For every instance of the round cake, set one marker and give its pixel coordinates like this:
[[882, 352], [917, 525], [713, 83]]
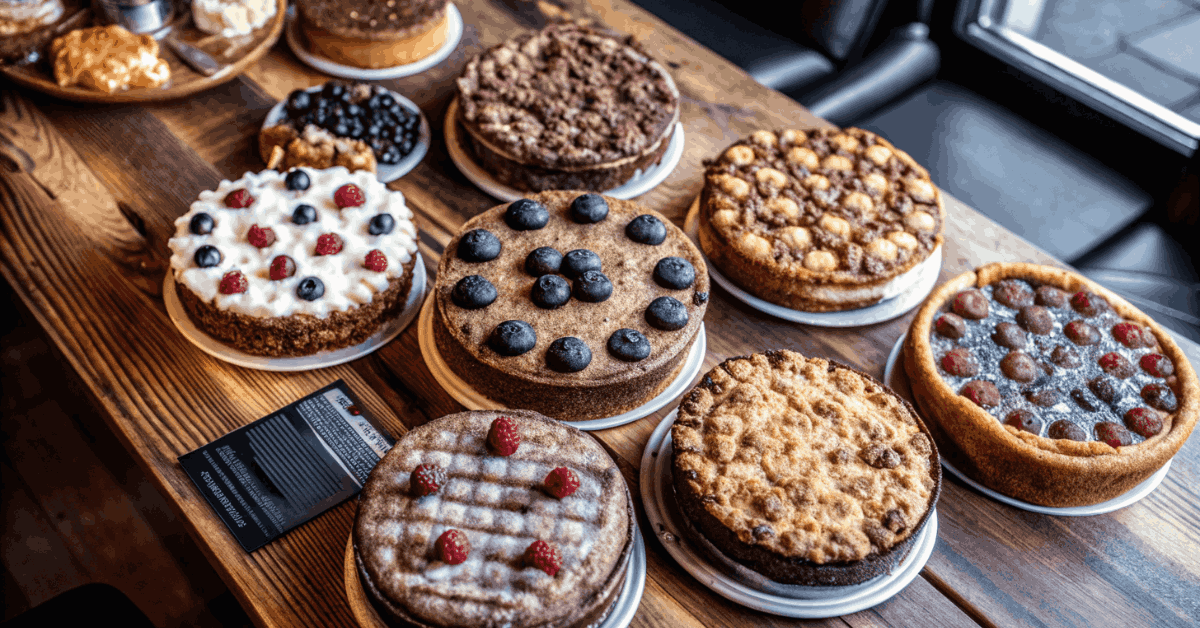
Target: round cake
[[374, 33], [566, 108], [803, 470], [279, 265], [1045, 386], [489, 519], [820, 220], [575, 305]]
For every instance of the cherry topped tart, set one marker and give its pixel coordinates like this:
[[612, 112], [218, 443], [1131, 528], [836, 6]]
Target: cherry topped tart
[[1046, 386]]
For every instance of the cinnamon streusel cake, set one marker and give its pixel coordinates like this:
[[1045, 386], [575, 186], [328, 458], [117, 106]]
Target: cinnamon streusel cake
[[820, 220]]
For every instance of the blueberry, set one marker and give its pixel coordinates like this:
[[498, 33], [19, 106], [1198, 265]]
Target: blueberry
[[207, 256], [304, 214], [373, 102], [592, 287], [478, 245], [646, 229], [334, 90], [386, 101], [341, 129], [391, 156], [473, 292], [543, 260], [381, 224], [399, 111], [357, 130], [354, 110], [589, 208], [579, 261], [297, 180], [374, 130], [526, 215], [201, 224], [298, 101], [568, 355], [310, 289], [629, 345], [377, 145], [406, 147], [512, 338], [550, 292], [675, 273], [666, 314]]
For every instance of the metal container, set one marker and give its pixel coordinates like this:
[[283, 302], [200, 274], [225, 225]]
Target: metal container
[[138, 16]]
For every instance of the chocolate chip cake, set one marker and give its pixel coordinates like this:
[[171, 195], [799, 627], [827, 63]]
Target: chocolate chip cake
[[494, 519], [1046, 387], [566, 108], [576, 305], [803, 470], [820, 220], [373, 33], [289, 265]]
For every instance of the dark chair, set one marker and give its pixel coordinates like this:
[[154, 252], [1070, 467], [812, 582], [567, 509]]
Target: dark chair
[[83, 606]]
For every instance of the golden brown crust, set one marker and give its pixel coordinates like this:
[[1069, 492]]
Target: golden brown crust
[[379, 50], [1036, 469]]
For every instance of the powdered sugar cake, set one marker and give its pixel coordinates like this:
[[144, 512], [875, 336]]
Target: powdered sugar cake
[[499, 503]]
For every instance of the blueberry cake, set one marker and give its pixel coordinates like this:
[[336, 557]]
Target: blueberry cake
[[803, 470], [289, 265], [575, 305], [494, 519], [1046, 387], [566, 108], [821, 220], [373, 34]]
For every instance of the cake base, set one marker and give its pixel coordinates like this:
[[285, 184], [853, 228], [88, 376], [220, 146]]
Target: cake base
[[372, 54]]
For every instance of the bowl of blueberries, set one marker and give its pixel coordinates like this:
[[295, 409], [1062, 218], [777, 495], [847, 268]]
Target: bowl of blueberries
[[390, 124]]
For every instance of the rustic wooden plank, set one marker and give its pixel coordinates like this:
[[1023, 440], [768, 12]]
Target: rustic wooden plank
[[31, 550]]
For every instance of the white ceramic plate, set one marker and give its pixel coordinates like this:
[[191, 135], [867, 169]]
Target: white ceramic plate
[[1116, 503], [641, 182], [295, 39], [473, 400], [764, 595], [925, 277], [383, 172], [222, 351]]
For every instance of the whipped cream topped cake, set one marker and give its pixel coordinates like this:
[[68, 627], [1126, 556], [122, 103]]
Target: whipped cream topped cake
[[803, 470], [1047, 387], [494, 519], [287, 265], [820, 220]]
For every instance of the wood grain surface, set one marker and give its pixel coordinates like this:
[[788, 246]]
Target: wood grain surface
[[88, 196]]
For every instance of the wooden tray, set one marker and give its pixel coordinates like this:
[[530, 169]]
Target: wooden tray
[[238, 53]]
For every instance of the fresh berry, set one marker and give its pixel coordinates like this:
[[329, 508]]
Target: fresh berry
[[666, 314], [950, 325], [1088, 304], [1046, 397], [981, 392], [473, 292], [1116, 365], [297, 180], [503, 437], [589, 208], [1160, 397], [1017, 365], [282, 267], [629, 345], [1025, 421], [591, 287], [970, 304], [1132, 335], [1113, 434], [310, 289], [426, 479], [561, 482], [329, 244], [512, 338], [579, 261], [207, 256], [349, 195], [1066, 430], [542, 555], [478, 245], [453, 547], [1014, 293], [568, 355], [304, 214], [646, 229], [1144, 421], [543, 260], [1081, 399], [1105, 388], [1157, 365], [1049, 296], [526, 215], [1036, 319], [234, 282], [376, 261], [1081, 333], [960, 363], [201, 224], [1009, 335], [260, 236], [1066, 357], [381, 224], [550, 292], [239, 199], [674, 273]]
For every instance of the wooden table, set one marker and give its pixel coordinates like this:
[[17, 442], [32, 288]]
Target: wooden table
[[88, 195]]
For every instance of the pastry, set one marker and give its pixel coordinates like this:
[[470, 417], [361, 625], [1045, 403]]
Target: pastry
[[803, 470], [1044, 386], [566, 108], [107, 59], [28, 26], [277, 265], [232, 18], [372, 33], [494, 519], [578, 306], [821, 220]]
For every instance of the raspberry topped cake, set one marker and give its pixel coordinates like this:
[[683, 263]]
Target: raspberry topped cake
[[805, 471], [1047, 387], [494, 519], [278, 264], [576, 305], [566, 108], [820, 220]]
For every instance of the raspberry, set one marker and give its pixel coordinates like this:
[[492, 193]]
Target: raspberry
[[1131, 335], [426, 479], [1081, 333], [376, 261], [1116, 365], [1157, 365], [960, 363], [981, 392], [561, 482], [234, 282], [970, 304], [239, 199], [950, 325], [1144, 421], [1088, 304], [503, 436], [260, 237], [453, 547], [1113, 434], [282, 267], [542, 555], [329, 244], [349, 195]]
